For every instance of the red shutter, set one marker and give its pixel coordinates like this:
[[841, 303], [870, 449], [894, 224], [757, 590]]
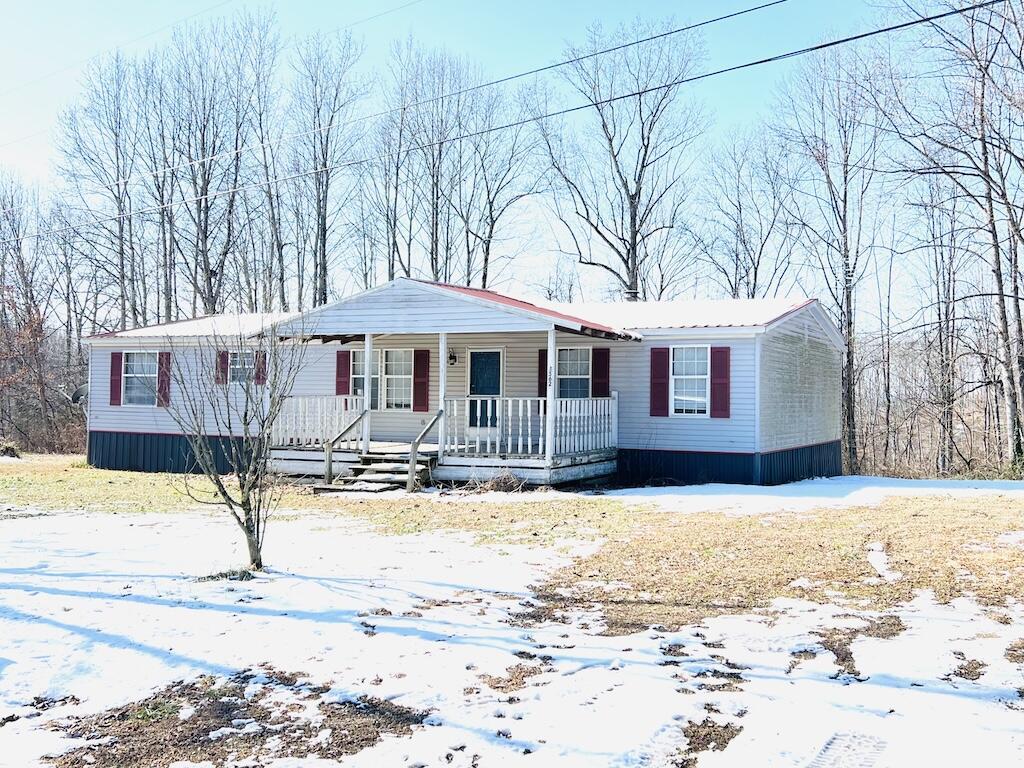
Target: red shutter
[[542, 373], [259, 375], [116, 363], [163, 379], [720, 379], [659, 381], [222, 367], [600, 382], [421, 380], [343, 372]]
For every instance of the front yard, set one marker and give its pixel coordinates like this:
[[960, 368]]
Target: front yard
[[859, 619]]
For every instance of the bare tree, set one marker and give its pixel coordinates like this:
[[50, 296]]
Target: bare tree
[[226, 396], [832, 129], [619, 176]]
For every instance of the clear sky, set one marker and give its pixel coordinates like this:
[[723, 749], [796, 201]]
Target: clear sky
[[47, 43]]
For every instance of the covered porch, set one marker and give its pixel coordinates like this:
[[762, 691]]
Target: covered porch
[[450, 400]]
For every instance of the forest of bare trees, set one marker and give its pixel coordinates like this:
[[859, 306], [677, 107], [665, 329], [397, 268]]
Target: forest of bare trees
[[233, 170]]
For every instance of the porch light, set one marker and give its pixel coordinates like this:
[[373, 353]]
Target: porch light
[[452, 359]]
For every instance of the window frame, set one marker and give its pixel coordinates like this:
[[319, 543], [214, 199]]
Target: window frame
[[589, 377], [382, 392], [252, 369], [672, 377], [367, 391], [124, 377]]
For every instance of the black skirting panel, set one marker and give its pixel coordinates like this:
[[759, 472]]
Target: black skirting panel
[[149, 452], [822, 460], [643, 467]]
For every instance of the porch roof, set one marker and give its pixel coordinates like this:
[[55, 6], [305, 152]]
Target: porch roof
[[408, 306]]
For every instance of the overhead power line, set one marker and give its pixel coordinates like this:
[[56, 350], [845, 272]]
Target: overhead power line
[[525, 121], [447, 95]]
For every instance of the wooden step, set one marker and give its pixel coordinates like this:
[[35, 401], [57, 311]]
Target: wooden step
[[355, 485], [376, 477], [387, 466]]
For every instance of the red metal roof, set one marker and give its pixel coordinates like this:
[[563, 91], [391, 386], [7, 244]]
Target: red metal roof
[[508, 301]]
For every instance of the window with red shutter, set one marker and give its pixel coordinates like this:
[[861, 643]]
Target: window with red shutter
[[720, 382], [600, 372], [163, 379], [659, 381], [116, 368], [421, 380], [343, 372]]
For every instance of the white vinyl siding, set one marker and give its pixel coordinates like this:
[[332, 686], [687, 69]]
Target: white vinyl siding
[[801, 375]]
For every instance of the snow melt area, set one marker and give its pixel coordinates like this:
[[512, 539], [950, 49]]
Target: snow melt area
[[100, 610]]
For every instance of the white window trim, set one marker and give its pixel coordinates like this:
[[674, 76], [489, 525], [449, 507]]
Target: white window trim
[[501, 373], [382, 392], [589, 377], [252, 374], [124, 377], [672, 383], [367, 390]]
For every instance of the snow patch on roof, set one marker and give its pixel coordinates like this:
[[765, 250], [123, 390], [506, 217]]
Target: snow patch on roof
[[685, 313], [228, 325]]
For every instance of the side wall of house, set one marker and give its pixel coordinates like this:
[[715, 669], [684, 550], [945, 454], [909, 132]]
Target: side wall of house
[[800, 390]]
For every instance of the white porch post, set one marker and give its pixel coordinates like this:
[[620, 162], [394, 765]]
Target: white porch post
[[549, 431], [367, 388], [442, 390]]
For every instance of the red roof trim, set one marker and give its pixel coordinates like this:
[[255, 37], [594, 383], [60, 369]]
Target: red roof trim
[[508, 301]]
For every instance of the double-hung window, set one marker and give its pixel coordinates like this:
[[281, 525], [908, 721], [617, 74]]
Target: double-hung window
[[241, 366], [398, 379], [396, 392], [359, 377], [691, 380], [140, 378], [574, 372]]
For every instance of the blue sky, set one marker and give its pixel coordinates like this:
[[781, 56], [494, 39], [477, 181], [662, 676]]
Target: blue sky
[[47, 44]]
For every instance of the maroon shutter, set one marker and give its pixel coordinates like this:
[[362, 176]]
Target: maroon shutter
[[222, 367], [343, 372], [116, 363], [259, 375], [659, 381], [720, 382], [600, 383], [163, 379], [421, 380], [542, 373]]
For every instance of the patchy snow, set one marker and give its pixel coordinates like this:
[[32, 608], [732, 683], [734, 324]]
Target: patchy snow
[[803, 496], [878, 558], [106, 608]]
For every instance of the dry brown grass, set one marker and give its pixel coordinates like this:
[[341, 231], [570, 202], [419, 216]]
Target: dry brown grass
[[682, 568]]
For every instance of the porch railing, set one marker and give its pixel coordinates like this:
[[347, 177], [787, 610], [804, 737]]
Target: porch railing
[[309, 421], [517, 426]]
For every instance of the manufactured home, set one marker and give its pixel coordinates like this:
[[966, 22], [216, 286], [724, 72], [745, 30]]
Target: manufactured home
[[482, 383]]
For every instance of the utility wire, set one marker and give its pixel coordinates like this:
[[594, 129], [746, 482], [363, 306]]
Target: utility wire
[[450, 94], [526, 121]]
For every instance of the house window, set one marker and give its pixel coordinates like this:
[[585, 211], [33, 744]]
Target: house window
[[139, 379], [398, 379], [241, 366], [691, 380], [359, 377], [574, 372]]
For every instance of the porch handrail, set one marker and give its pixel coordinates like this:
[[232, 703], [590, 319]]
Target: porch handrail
[[329, 446], [410, 481]]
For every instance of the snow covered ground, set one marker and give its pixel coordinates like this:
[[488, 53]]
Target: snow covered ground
[[819, 493], [107, 609]]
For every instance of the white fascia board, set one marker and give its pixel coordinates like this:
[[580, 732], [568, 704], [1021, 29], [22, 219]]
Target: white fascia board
[[746, 332]]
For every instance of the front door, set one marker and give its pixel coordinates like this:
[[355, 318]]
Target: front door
[[484, 381]]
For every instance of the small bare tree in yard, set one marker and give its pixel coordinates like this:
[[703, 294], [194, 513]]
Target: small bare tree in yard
[[226, 395]]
